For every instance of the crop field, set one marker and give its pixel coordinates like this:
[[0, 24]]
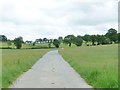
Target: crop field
[[15, 62], [98, 65]]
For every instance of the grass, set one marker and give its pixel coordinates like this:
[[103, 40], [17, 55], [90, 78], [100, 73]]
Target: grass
[[15, 62], [25, 46], [98, 65], [0, 68], [4, 45]]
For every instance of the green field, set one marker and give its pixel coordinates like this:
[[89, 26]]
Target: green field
[[15, 62], [0, 68], [98, 65], [25, 46]]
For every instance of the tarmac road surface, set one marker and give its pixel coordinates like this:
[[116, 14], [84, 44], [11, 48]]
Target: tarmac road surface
[[51, 71]]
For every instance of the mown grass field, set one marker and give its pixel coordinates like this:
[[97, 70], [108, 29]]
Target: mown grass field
[[15, 62], [98, 65]]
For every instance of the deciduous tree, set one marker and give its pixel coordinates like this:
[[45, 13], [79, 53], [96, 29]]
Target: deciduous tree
[[18, 42], [56, 43], [112, 35], [78, 41], [69, 39]]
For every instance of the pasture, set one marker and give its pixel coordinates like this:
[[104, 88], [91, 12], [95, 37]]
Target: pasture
[[25, 46], [15, 62], [98, 65], [4, 45]]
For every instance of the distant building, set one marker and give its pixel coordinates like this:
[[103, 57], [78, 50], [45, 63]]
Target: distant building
[[28, 42]]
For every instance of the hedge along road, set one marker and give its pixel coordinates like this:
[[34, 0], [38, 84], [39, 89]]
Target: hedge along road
[[51, 71]]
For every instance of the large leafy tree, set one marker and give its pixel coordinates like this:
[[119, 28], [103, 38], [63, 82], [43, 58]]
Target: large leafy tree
[[112, 35], [98, 39], [104, 40], [3, 38], [86, 38], [93, 39], [56, 43], [18, 42], [78, 41], [45, 40], [69, 39], [40, 40]]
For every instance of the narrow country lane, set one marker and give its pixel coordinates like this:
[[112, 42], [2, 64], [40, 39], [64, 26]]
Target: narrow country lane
[[51, 71]]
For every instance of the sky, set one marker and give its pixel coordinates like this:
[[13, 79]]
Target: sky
[[33, 19]]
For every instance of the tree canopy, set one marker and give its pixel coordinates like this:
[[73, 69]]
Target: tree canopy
[[78, 40], [56, 43], [69, 39], [112, 35], [18, 42], [3, 38]]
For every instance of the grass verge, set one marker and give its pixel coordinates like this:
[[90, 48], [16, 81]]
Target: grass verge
[[98, 65], [0, 69], [15, 62]]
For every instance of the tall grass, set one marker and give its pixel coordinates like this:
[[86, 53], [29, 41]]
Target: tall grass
[[0, 68], [15, 62], [98, 65]]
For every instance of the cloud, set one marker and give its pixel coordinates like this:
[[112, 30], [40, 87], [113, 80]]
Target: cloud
[[33, 19]]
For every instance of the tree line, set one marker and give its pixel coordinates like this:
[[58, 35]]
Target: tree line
[[110, 37]]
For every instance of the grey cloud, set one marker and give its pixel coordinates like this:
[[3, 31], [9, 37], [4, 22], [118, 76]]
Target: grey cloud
[[58, 19], [95, 13]]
